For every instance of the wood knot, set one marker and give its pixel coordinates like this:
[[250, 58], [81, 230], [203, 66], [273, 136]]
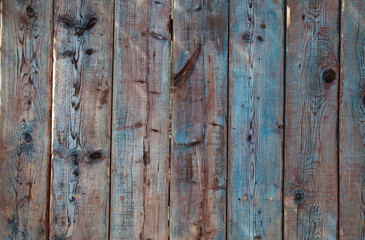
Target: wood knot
[[249, 138], [68, 53], [10, 219], [329, 75], [72, 199], [75, 158], [145, 157], [260, 38], [95, 155], [158, 36], [138, 125], [185, 73], [92, 22], [79, 29], [89, 51], [76, 173], [30, 12], [86, 27], [247, 37], [299, 196], [27, 138]]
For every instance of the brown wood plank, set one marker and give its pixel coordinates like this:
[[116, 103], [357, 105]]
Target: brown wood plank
[[25, 118], [140, 147], [199, 120], [352, 120], [311, 187], [83, 52], [256, 88]]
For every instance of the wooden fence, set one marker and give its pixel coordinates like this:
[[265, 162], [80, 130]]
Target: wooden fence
[[192, 119]]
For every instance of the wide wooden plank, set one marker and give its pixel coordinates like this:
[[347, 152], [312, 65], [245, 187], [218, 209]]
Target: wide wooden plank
[[83, 47], [140, 148], [25, 118], [311, 145], [352, 121], [199, 112], [256, 100]]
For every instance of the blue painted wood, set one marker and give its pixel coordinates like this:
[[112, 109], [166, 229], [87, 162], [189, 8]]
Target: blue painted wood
[[25, 117], [311, 145], [82, 83], [352, 121], [199, 113], [255, 138]]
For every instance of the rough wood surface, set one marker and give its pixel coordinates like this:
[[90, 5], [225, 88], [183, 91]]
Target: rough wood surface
[[140, 150], [311, 187], [256, 105], [81, 119], [99, 140], [352, 121], [199, 112], [25, 119]]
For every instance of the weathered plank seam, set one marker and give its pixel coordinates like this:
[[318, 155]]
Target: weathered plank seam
[[48, 213], [338, 119], [111, 121], [285, 30], [227, 117], [171, 31]]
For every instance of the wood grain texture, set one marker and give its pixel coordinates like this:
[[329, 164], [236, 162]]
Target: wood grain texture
[[311, 187], [256, 105], [81, 119], [352, 121], [199, 112], [25, 118], [140, 149]]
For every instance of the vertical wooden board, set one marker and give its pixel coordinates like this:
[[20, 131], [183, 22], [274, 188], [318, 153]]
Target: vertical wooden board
[[81, 119], [256, 100], [311, 187], [140, 145], [25, 118], [352, 118], [199, 111]]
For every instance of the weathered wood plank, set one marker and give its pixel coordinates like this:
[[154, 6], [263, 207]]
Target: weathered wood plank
[[311, 187], [140, 147], [83, 47], [25, 118], [256, 105], [352, 121], [199, 111]]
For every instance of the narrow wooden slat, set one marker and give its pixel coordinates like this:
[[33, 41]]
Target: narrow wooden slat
[[199, 129], [81, 119], [140, 147], [25, 118], [352, 121], [311, 187], [255, 119]]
